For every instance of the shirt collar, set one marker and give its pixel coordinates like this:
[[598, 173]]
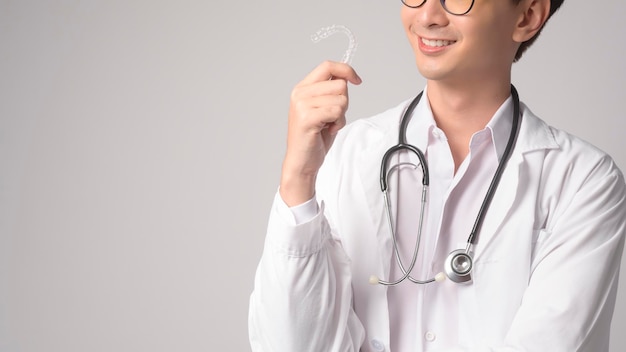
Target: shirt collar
[[423, 123], [500, 126]]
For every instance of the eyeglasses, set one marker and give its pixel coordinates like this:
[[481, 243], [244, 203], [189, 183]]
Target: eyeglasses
[[454, 7]]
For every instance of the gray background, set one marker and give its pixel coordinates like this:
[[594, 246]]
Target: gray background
[[141, 142]]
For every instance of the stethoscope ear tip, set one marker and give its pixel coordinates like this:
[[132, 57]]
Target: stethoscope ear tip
[[441, 277], [373, 280]]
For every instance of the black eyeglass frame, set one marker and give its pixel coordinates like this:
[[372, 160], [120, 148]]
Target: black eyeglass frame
[[443, 4]]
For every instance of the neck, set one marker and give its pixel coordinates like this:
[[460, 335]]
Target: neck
[[467, 108]]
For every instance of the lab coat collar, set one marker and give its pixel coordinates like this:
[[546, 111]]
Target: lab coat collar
[[534, 133], [534, 137]]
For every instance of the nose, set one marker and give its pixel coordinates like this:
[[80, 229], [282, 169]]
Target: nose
[[431, 14]]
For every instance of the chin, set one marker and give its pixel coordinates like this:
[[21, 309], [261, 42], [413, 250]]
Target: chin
[[432, 72]]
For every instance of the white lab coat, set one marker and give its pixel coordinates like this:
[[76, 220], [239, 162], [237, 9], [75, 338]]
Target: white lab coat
[[546, 262]]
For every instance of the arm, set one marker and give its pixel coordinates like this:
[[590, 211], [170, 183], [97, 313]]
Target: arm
[[570, 299], [569, 292], [302, 299], [316, 113]]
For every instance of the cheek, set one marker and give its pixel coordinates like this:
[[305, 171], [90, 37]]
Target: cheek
[[412, 38], [404, 13], [490, 41], [500, 32], [406, 21]]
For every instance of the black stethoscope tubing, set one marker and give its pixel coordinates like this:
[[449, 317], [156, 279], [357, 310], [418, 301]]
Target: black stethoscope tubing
[[459, 256]]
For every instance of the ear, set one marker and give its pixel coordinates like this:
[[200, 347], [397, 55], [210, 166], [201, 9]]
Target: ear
[[533, 15]]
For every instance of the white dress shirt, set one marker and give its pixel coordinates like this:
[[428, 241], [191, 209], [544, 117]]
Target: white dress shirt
[[423, 316]]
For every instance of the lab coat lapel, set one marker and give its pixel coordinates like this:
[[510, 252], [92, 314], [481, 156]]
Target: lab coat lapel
[[534, 135], [369, 172], [501, 204]]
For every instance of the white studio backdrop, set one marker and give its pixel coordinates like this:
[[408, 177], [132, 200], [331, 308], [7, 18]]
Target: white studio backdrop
[[141, 143]]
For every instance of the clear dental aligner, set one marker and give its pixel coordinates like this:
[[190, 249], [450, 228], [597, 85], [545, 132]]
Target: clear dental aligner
[[325, 32]]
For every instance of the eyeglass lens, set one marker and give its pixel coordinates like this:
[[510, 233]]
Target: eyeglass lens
[[455, 7]]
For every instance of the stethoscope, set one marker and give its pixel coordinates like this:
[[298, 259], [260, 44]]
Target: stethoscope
[[459, 263]]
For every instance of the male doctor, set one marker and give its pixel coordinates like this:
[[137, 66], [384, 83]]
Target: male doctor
[[546, 261]]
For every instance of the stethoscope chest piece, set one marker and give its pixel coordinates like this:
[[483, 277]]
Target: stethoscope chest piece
[[458, 266]]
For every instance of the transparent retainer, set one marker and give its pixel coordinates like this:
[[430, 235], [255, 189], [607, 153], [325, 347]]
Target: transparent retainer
[[326, 32]]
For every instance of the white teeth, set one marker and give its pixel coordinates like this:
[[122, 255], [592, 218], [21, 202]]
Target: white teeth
[[437, 43]]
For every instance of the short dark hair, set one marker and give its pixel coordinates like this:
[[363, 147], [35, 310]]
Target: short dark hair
[[554, 5]]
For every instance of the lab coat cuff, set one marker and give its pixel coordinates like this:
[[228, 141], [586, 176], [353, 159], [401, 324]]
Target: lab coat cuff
[[287, 236]]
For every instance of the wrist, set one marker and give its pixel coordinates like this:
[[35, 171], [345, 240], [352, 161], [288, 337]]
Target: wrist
[[296, 189]]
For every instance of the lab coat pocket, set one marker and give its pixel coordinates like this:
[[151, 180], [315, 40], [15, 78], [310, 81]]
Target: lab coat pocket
[[498, 291], [482, 255], [478, 300]]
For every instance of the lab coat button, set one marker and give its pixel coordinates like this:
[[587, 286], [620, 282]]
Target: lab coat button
[[377, 345], [430, 336]]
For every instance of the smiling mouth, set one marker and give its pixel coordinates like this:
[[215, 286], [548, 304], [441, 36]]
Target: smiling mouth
[[437, 43]]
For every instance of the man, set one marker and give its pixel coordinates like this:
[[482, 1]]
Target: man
[[546, 258]]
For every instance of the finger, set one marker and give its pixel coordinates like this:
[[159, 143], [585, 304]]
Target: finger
[[318, 89], [334, 127], [321, 110], [332, 69], [333, 102]]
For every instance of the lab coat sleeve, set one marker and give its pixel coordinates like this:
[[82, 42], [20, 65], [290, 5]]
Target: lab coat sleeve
[[569, 301], [302, 299], [570, 298]]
